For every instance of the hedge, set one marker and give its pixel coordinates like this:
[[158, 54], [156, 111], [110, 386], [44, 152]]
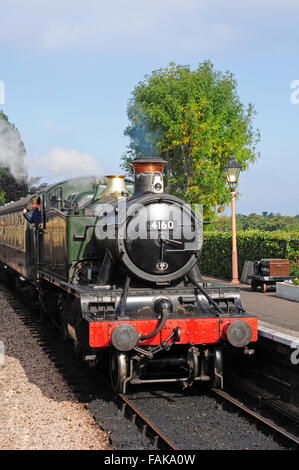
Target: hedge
[[216, 255]]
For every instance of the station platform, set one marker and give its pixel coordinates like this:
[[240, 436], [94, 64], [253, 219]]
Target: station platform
[[275, 362], [274, 313]]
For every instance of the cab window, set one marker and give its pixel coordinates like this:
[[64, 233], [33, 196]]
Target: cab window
[[55, 198]]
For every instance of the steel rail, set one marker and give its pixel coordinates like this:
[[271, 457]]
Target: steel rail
[[166, 442], [252, 413], [264, 398]]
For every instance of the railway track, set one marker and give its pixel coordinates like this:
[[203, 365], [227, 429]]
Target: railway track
[[129, 425], [160, 440], [164, 443], [285, 435], [201, 407]]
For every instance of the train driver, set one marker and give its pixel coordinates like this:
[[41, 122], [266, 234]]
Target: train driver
[[36, 217]]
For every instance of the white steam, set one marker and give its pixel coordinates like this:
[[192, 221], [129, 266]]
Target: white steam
[[64, 163], [58, 164], [12, 150]]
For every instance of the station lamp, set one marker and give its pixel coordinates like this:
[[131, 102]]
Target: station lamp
[[232, 170]]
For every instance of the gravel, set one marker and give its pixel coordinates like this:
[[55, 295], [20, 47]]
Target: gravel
[[37, 408], [195, 420]]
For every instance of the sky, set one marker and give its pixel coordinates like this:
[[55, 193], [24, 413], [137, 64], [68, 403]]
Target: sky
[[68, 68]]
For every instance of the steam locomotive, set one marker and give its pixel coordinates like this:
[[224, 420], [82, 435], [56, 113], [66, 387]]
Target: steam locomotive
[[115, 266]]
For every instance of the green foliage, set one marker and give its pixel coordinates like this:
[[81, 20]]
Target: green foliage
[[268, 222], [10, 188], [193, 119], [2, 198], [3, 116], [216, 256]]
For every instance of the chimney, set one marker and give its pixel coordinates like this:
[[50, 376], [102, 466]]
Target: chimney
[[148, 175]]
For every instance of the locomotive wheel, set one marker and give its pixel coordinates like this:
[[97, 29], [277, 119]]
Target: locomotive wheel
[[119, 365]]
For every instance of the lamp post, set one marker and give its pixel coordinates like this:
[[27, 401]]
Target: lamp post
[[232, 169]]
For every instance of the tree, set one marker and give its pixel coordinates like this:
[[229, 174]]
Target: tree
[[268, 222], [192, 119], [11, 188]]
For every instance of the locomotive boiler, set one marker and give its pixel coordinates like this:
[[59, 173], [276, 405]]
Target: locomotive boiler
[[115, 266]]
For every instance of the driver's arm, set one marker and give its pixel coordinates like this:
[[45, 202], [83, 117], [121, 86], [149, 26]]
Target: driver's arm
[[27, 216]]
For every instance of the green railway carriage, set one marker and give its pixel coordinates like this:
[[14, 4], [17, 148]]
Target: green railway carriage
[[17, 246]]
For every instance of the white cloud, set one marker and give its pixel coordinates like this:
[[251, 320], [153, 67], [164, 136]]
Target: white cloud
[[90, 24], [145, 25], [62, 163]]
